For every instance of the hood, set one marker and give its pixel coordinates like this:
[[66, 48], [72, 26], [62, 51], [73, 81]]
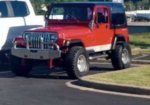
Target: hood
[[68, 30]]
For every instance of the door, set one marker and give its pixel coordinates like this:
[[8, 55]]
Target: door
[[102, 32]]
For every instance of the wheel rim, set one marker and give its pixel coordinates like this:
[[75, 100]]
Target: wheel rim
[[81, 63], [125, 56]]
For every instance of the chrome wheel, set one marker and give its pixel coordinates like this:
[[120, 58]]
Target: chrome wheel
[[81, 63], [125, 56]]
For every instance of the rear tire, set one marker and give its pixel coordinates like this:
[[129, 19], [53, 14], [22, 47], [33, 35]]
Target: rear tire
[[77, 62], [20, 67], [121, 56]]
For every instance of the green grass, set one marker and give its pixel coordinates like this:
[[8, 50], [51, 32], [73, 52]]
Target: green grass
[[140, 51], [138, 76], [140, 43], [140, 40]]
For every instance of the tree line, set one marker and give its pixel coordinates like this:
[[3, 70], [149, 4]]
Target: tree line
[[140, 5], [129, 4], [37, 4]]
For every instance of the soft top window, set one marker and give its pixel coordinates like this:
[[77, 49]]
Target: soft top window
[[118, 16]]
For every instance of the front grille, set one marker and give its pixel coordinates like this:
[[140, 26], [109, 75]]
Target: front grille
[[35, 39]]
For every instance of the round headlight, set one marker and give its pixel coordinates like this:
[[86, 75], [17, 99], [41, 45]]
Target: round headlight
[[27, 33], [54, 37]]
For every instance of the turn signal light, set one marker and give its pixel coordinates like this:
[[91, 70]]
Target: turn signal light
[[19, 41]]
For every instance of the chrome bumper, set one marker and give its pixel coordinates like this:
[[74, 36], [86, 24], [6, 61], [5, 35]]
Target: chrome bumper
[[36, 53]]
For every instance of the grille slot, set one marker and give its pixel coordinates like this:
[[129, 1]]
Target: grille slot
[[35, 40]]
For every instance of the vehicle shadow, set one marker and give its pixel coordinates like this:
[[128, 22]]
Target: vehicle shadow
[[57, 73], [4, 67]]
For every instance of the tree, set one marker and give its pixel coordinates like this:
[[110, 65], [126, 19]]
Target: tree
[[144, 4], [37, 4], [129, 6]]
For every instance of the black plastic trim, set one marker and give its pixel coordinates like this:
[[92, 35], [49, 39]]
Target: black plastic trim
[[116, 40]]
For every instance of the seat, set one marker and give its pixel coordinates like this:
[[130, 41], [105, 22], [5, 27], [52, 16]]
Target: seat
[[101, 18]]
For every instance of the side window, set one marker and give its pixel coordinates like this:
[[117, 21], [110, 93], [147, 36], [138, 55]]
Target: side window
[[20, 8], [3, 9], [118, 16], [102, 15]]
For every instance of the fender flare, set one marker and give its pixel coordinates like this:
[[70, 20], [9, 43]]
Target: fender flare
[[117, 38], [75, 42]]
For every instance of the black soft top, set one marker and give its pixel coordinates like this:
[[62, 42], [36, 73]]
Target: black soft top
[[109, 4], [117, 10]]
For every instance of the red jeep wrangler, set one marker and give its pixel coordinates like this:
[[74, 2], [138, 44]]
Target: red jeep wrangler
[[74, 34]]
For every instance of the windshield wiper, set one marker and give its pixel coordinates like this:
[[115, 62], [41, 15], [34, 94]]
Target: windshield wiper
[[73, 17]]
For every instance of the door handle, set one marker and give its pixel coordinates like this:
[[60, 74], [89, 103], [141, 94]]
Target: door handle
[[106, 26], [97, 25]]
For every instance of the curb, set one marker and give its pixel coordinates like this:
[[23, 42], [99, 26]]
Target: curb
[[112, 87], [133, 61], [140, 62]]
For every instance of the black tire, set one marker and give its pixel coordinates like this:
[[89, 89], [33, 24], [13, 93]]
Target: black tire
[[117, 56], [72, 60], [20, 67]]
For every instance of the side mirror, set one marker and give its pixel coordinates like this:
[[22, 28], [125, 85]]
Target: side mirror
[[46, 19], [91, 25], [46, 16]]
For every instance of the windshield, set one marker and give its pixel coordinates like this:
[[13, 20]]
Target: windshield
[[71, 13]]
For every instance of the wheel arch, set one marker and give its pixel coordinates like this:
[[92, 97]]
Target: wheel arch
[[118, 38], [76, 42]]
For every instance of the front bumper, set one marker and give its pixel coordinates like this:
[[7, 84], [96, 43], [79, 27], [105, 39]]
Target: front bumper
[[36, 54]]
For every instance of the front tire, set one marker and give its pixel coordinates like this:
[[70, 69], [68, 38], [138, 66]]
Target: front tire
[[121, 56], [20, 67], [77, 63]]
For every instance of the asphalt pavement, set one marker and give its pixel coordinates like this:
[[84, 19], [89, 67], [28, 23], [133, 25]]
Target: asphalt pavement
[[48, 87]]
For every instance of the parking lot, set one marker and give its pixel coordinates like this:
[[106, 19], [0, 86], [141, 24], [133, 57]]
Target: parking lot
[[48, 87]]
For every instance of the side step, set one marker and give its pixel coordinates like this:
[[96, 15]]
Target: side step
[[96, 56]]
